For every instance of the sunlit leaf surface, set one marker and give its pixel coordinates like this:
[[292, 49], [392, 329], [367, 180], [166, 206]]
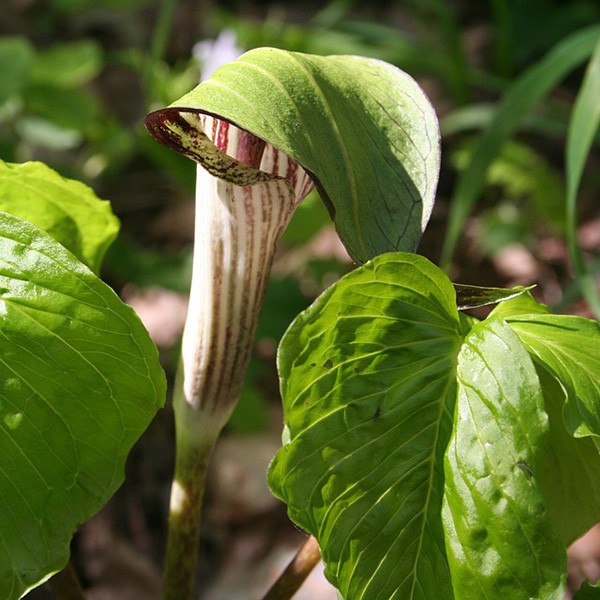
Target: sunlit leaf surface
[[79, 383], [569, 347], [67, 209], [501, 543], [368, 383]]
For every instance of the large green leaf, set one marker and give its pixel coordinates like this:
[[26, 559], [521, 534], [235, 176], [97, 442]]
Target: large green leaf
[[79, 382], [368, 384], [362, 128], [67, 209], [500, 542], [568, 347]]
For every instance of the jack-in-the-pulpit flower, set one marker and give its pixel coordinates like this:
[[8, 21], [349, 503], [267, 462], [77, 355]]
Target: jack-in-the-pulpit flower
[[246, 193]]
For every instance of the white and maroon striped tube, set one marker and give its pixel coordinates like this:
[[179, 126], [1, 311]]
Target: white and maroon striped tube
[[246, 193]]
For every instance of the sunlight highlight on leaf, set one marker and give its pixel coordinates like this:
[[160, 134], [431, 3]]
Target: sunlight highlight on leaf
[[79, 383], [500, 542], [368, 384]]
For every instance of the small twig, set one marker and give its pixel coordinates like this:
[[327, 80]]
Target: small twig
[[296, 572], [66, 584]]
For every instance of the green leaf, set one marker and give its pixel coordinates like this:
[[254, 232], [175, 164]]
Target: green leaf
[[368, 384], [16, 57], [583, 126], [80, 381], [67, 65], [362, 128], [67, 209], [523, 304], [475, 296], [500, 542], [568, 347], [568, 469], [521, 97], [69, 108]]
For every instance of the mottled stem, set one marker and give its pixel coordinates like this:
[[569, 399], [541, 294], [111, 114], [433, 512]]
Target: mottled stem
[[193, 454]]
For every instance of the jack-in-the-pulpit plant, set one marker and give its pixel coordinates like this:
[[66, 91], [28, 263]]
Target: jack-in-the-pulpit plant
[[246, 192], [431, 455], [263, 129]]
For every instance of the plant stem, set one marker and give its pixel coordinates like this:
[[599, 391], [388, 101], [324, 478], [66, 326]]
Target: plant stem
[[66, 585], [184, 524], [196, 435], [296, 572]]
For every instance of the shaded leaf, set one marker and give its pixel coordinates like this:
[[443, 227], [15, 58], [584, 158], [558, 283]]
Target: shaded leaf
[[67, 209], [568, 347], [362, 128], [368, 384], [587, 592], [500, 542], [568, 469], [80, 381]]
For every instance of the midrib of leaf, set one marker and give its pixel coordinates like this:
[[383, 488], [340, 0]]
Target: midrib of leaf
[[514, 457], [424, 512]]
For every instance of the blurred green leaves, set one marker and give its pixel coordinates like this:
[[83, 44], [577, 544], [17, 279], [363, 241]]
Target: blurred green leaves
[[44, 98], [524, 93]]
